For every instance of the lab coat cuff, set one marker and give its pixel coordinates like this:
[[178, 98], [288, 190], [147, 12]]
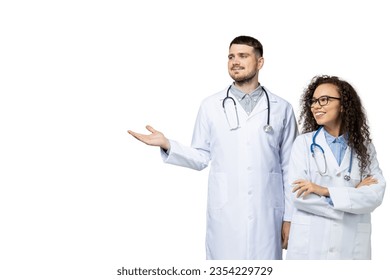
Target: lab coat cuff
[[287, 214], [165, 153], [286, 218], [340, 198]]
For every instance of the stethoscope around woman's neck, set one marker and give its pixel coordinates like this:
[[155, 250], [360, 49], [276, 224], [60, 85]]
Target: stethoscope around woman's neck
[[267, 128], [314, 145]]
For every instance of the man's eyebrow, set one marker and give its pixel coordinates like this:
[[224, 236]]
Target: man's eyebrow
[[240, 53]]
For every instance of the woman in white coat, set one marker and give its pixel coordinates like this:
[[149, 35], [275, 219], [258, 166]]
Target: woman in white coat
[[247, 198], [335, 176]]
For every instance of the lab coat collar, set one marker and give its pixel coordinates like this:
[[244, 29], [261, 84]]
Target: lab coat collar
[[260, 107], [257, 93]]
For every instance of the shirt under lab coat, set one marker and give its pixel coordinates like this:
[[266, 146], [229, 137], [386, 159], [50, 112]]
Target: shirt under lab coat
[[320, 230], [247, 199]]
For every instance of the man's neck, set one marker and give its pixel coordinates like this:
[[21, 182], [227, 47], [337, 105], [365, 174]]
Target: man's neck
[[247, 87]]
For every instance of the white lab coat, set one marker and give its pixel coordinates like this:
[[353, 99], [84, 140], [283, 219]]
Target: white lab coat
[[320, 230], [246, 199]]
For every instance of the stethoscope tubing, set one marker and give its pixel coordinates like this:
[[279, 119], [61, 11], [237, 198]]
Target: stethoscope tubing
[[314, 145], [267, 127]]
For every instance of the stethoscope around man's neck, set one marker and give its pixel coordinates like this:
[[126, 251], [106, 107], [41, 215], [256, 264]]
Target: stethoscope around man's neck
[[314, 145], [267, 128]]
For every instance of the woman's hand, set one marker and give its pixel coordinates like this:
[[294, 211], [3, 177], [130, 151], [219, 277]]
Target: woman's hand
[[369, 180], [305, 187]]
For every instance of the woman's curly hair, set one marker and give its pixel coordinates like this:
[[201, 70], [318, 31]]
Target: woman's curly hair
[[353, 117]]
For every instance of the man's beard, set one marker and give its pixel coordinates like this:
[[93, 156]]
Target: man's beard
[[244, 80]]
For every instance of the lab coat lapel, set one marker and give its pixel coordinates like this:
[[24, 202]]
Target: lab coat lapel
[[333, 165], [242, 115], [230, 111], [346, 160], [260, 107]]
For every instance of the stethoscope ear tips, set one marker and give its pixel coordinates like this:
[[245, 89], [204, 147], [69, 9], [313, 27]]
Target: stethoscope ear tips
[[268, 128]]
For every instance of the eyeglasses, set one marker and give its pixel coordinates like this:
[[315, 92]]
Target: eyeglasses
[[322, 100]]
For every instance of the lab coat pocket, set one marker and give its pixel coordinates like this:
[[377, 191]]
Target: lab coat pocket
[[300, 228], [217, 191], [362, 248]]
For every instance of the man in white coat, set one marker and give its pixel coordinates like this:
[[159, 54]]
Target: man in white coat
[[246, 132]]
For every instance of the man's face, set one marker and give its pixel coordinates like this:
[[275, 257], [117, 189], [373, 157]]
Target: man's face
[[243, 64]]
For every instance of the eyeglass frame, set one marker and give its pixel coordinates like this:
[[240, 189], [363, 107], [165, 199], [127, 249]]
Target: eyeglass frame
[[311, 102]]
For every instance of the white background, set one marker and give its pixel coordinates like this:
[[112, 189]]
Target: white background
[[79, 196]]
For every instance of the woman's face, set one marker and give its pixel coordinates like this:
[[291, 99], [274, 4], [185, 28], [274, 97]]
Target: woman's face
[[329, 113]]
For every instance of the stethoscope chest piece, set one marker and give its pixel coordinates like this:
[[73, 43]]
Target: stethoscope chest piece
[[347, 177], [268, 128]]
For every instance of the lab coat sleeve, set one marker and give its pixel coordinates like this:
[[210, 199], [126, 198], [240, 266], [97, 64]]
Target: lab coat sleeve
[[289, 135], [299, 168], [364, 199], [198, 155]]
